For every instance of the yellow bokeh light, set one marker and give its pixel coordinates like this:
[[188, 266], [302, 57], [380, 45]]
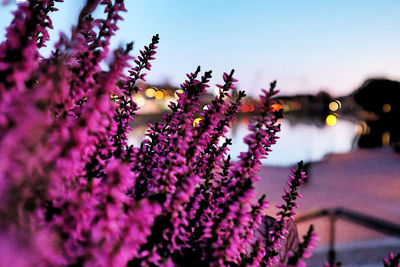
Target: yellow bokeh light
[[362, 128], [386, 108], [196, 122], [167, 101], [159, 95], [114, 98], [331, 120], [334, 106], [276, 107], [179, 91], [386, 138], [150, 92]]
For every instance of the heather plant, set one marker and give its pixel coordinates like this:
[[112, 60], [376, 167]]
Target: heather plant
[[305, 248], [75, 193], [393, 261]]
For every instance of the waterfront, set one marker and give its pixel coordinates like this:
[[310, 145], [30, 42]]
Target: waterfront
[[363, 180], [303, 140]]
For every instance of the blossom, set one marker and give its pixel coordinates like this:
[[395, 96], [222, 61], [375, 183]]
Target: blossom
[[75, 193]]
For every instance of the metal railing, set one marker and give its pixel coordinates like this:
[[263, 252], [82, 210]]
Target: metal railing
[[361, 219]]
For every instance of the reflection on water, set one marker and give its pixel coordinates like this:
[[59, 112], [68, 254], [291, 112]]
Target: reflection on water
[[298, 141], [302, 141]]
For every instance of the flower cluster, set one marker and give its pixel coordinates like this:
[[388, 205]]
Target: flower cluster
[[393, 261], [75, 193], [279, 231], [305, 248]]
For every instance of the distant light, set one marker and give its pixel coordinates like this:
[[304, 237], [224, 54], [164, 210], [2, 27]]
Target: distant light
[[331, 120], [286, 107], [362, 128], [150, 92], [167, 101], [179, 91], [385, 138], [359, 129], [251, 107], [245, 108], [140, 101], [114, 98], [276, 107], [196, 122], [386, 108], [334, 106], [159, 95]]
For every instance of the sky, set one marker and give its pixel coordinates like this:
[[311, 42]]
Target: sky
[[307, 45]]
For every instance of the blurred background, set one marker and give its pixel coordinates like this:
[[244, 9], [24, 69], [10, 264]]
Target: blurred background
[[337, 64]]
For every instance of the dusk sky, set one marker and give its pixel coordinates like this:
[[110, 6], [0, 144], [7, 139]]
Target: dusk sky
[[308, 45]]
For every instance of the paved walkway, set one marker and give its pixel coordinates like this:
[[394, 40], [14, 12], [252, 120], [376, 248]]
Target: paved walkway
[[367, 181]]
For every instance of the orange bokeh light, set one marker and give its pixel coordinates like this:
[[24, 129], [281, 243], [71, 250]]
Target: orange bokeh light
[[276, 107]]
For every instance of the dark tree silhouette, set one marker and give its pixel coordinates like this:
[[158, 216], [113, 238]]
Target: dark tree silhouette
[[380, 96]]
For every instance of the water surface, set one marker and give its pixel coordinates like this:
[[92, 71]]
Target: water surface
[[297, 141]]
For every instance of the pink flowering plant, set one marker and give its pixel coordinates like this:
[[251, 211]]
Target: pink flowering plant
[[393, 261], [75, 193]]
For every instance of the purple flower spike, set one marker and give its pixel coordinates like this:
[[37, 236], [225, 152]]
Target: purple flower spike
[[392, 261], [74, 193], [286, 211]]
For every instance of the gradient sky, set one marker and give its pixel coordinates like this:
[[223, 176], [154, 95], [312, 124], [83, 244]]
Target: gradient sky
[[305, 45]]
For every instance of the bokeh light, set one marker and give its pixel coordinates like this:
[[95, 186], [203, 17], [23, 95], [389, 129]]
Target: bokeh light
[[386, 108], [179, 91], [245, 108], [386, 138], [276, 107], [331, 120], [150, 92], [159, 95], [140, 101], [196, 122], [334, 105]]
